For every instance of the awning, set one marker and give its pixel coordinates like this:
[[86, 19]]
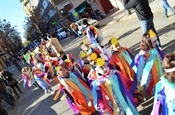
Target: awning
[[81, 7]]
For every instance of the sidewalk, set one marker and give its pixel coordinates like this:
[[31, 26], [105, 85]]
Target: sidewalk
[[121, 15]]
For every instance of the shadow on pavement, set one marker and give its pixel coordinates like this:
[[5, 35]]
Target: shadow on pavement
[[128, 33], [166, 29], [167, 48], [75, 52], [108, 19], [43, 107]]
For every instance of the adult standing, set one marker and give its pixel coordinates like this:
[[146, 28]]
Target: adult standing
[[4, 95], [75, 29], [144, 14], [10, 81], [16, 64], [166, 7], [54, 44]]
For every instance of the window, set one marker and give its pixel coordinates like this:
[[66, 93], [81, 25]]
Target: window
[[45, 3], [52, 13], [42, 11], [47, 18]]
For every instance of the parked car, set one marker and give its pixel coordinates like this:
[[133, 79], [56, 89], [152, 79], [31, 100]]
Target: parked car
[[90, 21], [61, 33]]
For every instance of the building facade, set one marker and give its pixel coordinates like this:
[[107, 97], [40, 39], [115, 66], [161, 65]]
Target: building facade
[[106, 6], [69, 9]]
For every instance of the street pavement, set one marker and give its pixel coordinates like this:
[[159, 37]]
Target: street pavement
[[118, 24]]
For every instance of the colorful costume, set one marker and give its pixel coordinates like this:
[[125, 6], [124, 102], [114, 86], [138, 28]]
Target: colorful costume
[[164, 98], [110, 92], [149, 69], [79, 91], [123, 61]]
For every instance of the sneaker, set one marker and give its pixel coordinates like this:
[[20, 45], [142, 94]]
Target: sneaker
[[52, 92], [46, 91]]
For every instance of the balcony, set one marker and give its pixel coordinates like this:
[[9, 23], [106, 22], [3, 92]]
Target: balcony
[[58, 1]]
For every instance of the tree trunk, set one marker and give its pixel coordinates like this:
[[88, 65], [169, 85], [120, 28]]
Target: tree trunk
[[65, 21]]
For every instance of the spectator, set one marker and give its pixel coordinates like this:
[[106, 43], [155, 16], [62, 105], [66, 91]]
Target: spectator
[[4, 95], [16, 64], [10, 81], [166, 7], [144, 14], [74, 28], [54, 44], [2, 110]]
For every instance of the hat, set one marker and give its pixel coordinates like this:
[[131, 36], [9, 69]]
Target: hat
[[113, 41], [82, 54], [93, 56], [152, 35], [58, 68], [100, 62]]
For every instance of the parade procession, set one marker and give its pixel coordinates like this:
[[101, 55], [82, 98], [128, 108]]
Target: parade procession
[[87, 57]]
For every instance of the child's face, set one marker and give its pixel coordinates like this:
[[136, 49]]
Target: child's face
[[143, 46], [70, 66], [91, 62], [84, 47], [62, 72], [171, 77], [115, 47], [154, 43], [103, 70]]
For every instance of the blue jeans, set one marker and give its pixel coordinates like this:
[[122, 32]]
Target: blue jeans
[[148, 24], [166, 7]]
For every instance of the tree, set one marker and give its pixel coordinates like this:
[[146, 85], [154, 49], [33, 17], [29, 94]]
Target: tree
[[34, 25], [10, 39]]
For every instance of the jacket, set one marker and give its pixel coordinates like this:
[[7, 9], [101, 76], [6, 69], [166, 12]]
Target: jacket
[[141, 8]]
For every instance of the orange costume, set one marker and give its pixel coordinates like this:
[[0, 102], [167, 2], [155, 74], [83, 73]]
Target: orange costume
[[118, 60], [79, 91]]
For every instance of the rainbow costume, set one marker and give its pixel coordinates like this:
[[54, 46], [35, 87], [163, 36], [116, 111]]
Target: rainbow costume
[[164, 98], [149, 69]]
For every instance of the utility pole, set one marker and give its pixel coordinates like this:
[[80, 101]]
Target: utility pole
[[65, 21]]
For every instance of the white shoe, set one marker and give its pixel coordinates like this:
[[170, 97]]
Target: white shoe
[[52, 92], [45, 91]]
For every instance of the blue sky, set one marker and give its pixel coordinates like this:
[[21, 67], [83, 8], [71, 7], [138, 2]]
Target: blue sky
[[12, 11]]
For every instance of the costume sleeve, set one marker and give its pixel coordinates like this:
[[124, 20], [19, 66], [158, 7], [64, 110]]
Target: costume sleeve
[[128, 4], [140, 68], [159, 87]]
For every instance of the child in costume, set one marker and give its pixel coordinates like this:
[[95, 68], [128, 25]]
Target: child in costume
[[122, 60], [83, 63], [78, 90], [27, 77], [85, 46], [155, 42], [165, 89], [39, 77], [92, 58], [152, 36], [109, 91], [149, 68], [95, 38]]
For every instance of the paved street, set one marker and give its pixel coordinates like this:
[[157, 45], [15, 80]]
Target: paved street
[[127, 29]]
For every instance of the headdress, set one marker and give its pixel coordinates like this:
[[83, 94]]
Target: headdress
[[100, 62], [152, 35], [82, 54], [113, 41], [58, 68], [85, 42], [93, 56]]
